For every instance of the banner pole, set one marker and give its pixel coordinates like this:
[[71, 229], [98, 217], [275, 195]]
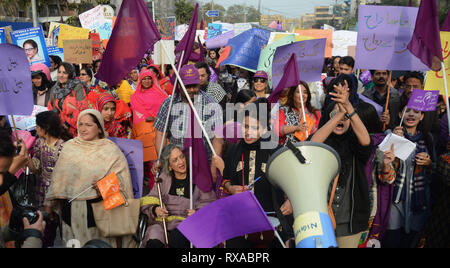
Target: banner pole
[[191, 104], [303, 110], [446, 95]]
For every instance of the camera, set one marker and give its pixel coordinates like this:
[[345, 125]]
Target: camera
[[24, 211]]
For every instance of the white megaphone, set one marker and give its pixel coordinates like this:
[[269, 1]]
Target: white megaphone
[[304, 172]]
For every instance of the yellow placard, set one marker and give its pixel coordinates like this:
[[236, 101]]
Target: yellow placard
[[298, 37], [67, 32], [435, 80], [318, 34], [307, 225]]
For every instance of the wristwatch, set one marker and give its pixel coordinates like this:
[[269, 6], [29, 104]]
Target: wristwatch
[[349, 116]]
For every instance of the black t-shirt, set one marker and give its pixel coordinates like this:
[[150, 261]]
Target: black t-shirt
[[180, 187], [8, 181]]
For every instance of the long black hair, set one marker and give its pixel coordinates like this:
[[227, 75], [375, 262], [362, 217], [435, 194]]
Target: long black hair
[[50, 122]]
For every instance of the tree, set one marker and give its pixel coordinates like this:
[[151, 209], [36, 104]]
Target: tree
[[183, 11], [208, 6], [241, 13]]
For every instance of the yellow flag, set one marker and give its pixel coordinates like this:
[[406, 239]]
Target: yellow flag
[[435, 80]]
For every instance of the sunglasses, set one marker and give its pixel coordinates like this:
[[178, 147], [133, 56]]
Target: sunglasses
[[83, 74], [260, 80]]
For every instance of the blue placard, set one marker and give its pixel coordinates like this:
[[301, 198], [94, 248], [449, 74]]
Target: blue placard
[[57, 51], [33, 42], [2, 36]]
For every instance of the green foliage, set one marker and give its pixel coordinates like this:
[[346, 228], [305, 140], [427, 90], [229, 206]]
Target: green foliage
[[183, 11]]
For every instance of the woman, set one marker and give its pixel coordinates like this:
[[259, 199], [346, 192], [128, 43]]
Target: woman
[[164, 82], [145, 104], [106, 105], [175, 191], [75, 172], [346, 133], [40, 76], [133, 78], [246, 164], [47, 148], [291, 123], [261, 84], [86, 76], [411, 201], [55, 62], [69, 97]]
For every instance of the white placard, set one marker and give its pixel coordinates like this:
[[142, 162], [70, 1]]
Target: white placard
[[403, 148]]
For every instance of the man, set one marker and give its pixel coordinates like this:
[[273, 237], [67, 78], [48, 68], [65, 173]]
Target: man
[[346, 66], [378, 93], [10, 164], [430, 122], [213, 89], [208, 110]]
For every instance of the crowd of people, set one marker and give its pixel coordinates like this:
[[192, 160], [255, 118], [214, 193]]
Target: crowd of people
[[378, 196]]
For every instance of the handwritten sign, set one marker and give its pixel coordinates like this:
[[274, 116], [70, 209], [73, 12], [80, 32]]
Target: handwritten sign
[[180, 31], [67, 32], [33, 42], [109, 188], [435, 80], [319, 34], [105, 30], [342, 40], [159, 57], [133, 151], [166, 27], [383, 37], [97, 50], [78, 51], [16, 91], [214, 29], [28, 122], [93, 18], [310, 55]]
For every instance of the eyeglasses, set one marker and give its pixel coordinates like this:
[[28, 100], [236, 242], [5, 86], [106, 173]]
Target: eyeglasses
[[260, 80], [83, 74]]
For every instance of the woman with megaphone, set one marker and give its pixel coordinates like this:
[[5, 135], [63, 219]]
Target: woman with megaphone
[[346, 133]]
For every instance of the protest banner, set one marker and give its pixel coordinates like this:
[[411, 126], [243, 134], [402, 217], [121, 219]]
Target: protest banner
[[214, 29], [53, 50], [267, 54], [53, 33], [310, 55], [180, 31], [133, 151], [108, 12], [2, 36], [97, 50], [166, 27], [93, 18], [435, 80], [16, 91], [33, 42], [351, 51], [8, 30], [342, 40], [67, 32], [383, 36], [27, 122], [245, 49], [241, 27], [159, 56], [423, 100], [319, 34], [275, 36], [105, 30], [78, 51], [219, 41]]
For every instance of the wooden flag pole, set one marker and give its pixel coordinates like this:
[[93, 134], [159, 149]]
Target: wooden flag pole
[[303, 110], [15, 129], [389, 83]]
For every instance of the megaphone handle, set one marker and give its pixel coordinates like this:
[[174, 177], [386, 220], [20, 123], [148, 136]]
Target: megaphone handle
[[330, 209]]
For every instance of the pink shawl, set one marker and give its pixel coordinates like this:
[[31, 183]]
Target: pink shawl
[[146, 103]]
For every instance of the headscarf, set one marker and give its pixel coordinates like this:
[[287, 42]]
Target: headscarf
[[112, 127], [41, 67], [146, 103], [75, 173], [95, 113]]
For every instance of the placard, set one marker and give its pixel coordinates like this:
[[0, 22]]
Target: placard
[[93, 18], [33, 42], [67, 32], [78, 51]]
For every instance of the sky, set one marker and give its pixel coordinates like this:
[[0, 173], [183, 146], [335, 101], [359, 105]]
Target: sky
[[288, 8]]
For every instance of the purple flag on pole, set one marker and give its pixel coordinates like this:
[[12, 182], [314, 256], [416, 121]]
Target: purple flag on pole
[[423, 100], [200, 164], [426, 41], [134, 33], [377, 107], [310, 55], [187, 43], [16, 94], [224, 219], [291, 78], [446, 25]]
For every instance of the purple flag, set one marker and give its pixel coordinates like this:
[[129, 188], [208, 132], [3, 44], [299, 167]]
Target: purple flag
[[426, 41], [16, 94], [383, 36], [446, 25], [202, 176], [224, 219], [310, 55], [423, 100], [220, 40], [187, 43], [134, 33], [377, 107], [291, 78], [133, 151]]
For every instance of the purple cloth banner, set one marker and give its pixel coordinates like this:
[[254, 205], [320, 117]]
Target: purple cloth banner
[[224, 219], [290, 79], [384, 33], [310, 55], [423, 100], [134, 33], [377, 107], [16, 90], [219, 41], [133, 151]]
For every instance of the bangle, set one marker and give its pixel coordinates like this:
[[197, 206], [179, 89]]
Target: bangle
[[349, 116]]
